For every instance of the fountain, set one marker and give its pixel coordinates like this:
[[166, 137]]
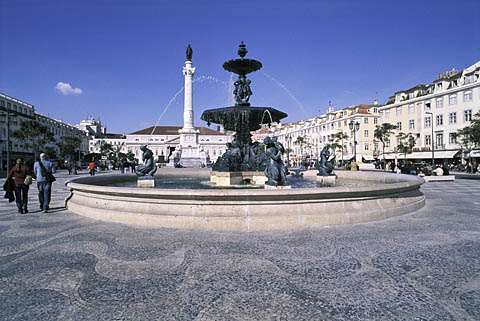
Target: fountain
[[110, 197], [242, 161]]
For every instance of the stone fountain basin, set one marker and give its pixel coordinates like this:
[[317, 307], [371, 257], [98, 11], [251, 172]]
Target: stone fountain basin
[[390, 195]]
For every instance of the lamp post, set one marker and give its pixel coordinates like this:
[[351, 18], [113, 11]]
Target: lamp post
[[288, 139], [431, 140], [354, 127]]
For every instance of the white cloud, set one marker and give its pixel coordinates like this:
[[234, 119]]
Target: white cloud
[[66, 89]]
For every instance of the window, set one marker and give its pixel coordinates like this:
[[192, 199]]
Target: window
[[467, 115], [399, 111], [399, 125], [439, 141], [452, 99], [411, 124], [365, 133], [411, 95], [375, 120], [365, 120], [439, 120], [411, 108], [427, 105], [344, 123], [375, 109], [387, 114], [376, 146], [469, 79], [467, 95], [439, 86], [428, 140], [15, 107], [452, 138], [439, 102], [452, 118], [2, 103], [387, 143], [367, 146]]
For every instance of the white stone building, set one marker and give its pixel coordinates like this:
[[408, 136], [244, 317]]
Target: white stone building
[[164, 140], [320, 131], [443, 106], [12, 113]]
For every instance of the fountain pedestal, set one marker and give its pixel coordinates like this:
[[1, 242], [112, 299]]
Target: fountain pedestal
[[327, 180], [146, 182], [238, 178]]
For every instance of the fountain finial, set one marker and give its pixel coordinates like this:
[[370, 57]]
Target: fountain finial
[[242, 50], [189, 53]]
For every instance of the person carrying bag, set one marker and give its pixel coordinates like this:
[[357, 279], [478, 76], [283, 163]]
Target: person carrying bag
[[44, 170], [22, 178]]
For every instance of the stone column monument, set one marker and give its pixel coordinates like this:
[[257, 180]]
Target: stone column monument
[[190, 154]]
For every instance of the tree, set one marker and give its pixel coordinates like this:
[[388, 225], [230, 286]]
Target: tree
[[301, 140], [406, 143], [69, 147], [34, 136], [469, 136], [339, 138], [382, 134]]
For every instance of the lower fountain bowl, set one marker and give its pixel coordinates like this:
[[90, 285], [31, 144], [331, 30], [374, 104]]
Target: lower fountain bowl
[[245, 209]]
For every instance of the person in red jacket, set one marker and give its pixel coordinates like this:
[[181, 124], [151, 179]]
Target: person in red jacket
[[19, 172], [91, 168]]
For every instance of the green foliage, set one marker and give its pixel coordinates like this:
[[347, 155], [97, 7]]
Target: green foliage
[[130, 156], [469, 136], [50, 151], [34, 136], [69, 146], [406, 143], [382, 134]]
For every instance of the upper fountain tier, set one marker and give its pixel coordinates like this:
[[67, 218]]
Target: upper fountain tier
[[242, 66]]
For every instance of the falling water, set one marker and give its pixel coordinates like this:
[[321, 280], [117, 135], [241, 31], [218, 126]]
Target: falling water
[[288, 92], [200, 79]]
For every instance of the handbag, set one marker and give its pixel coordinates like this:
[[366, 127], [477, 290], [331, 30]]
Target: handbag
[[48, 175], [28, 180]]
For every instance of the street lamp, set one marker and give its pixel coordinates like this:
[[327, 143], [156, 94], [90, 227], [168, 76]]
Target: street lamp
[[354, 127], [288, 139], [431, 140]]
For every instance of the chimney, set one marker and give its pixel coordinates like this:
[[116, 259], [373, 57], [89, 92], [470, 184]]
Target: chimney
[[375, 102]]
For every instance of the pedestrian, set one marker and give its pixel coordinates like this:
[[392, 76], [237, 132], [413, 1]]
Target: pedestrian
[[132, 166], [43, 169], [91, 168], [22, 175]]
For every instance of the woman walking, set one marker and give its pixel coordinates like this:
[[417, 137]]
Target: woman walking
[[20, 172]]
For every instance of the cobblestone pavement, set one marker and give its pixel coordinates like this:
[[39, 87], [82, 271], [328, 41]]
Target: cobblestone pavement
[[420, 266]]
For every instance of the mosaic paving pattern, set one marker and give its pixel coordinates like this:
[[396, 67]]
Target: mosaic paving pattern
[[421, 266]]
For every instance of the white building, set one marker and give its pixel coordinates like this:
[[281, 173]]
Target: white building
[[319, 131], [164, 140], [12, 113], [444, 106]]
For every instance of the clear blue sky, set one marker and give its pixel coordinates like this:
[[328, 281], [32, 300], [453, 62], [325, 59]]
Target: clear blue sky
[[126, 56]]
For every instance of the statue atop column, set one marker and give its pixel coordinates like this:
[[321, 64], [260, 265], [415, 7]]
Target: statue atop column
[[189, 53]]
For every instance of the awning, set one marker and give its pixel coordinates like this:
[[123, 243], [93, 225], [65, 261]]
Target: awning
[[345, 157], [369, 157], [423, 155], [474, 153]]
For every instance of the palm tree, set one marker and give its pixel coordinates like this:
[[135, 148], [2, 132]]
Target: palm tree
[[382, 134], [301, 140]]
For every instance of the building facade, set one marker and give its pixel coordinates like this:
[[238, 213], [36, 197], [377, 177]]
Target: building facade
[[305, 139], [12, 113], [434, 113]]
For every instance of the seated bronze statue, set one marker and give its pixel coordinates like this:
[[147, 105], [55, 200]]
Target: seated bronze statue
[[148, 168]]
